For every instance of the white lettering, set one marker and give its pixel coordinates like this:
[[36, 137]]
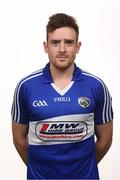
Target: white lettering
[[61, 99], [39, 103]]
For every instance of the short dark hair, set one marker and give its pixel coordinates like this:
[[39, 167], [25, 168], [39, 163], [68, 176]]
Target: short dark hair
[[61, 20]]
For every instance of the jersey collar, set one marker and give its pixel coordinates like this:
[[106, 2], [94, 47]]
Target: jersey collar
[[47, 78]]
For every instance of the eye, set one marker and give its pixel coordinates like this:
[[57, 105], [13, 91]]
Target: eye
[[55, 42], [69, 42]]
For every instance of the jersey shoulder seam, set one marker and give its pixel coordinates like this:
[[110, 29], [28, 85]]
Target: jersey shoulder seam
[[30, 76]]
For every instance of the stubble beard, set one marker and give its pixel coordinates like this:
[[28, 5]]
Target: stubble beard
[[62, 65]]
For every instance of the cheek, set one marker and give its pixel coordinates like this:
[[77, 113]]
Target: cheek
[[52, 54], [51, 51], [73, 53]]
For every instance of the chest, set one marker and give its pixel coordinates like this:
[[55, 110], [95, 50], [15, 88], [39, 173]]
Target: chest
[[48, 101]]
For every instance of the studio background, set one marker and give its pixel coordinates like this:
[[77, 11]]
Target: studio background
[[22, 32]]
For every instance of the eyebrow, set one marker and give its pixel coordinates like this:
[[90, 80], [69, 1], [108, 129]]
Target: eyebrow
[[69, 40], [55, 40], [58, 40]]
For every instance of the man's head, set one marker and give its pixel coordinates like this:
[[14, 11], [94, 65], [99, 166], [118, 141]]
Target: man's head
[[62, 41], [60, 20]]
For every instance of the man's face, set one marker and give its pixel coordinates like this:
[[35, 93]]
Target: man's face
[[62, 47]]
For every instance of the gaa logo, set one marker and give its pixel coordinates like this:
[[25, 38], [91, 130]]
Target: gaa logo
[[84, 101], [39, 103]]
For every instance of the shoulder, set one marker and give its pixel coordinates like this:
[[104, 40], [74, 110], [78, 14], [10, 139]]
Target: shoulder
[[31, 78], [93, 79], [96, 83]]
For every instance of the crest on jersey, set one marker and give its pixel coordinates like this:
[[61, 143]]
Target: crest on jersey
[[84, 101]]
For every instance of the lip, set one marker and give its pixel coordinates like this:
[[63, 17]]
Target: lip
[[62, 56]]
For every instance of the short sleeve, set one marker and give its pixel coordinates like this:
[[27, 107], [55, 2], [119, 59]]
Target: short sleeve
[[19, 108], [103, 111]]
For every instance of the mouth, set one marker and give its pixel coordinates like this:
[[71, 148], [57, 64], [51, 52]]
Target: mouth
[[62, 57]]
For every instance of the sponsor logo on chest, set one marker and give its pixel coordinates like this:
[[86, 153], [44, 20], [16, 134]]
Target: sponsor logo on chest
[[62, 131]]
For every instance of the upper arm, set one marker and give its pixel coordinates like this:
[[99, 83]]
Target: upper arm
[[103, 115], [103, 110], [104, 132], [20, 140], [19, 110], [19, 131]]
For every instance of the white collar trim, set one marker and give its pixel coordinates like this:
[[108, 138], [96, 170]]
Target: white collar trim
[[62, 92]]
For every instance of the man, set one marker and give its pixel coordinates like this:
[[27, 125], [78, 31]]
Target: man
[[58, 110]]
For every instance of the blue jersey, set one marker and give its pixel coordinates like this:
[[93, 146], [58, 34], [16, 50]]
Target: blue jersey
[[61, 123]]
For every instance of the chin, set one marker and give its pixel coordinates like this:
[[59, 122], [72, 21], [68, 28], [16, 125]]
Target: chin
[[63, 65]]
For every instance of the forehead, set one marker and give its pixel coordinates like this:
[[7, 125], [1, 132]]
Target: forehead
[[62, 33]]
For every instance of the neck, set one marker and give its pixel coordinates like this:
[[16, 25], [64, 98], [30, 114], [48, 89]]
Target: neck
[[61, 77], [58, 74]]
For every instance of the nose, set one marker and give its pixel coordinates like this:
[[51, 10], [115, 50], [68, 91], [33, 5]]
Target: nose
[[62, 47]]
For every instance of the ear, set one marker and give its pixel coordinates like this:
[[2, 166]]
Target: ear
[[78, 47], [45, 47]]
